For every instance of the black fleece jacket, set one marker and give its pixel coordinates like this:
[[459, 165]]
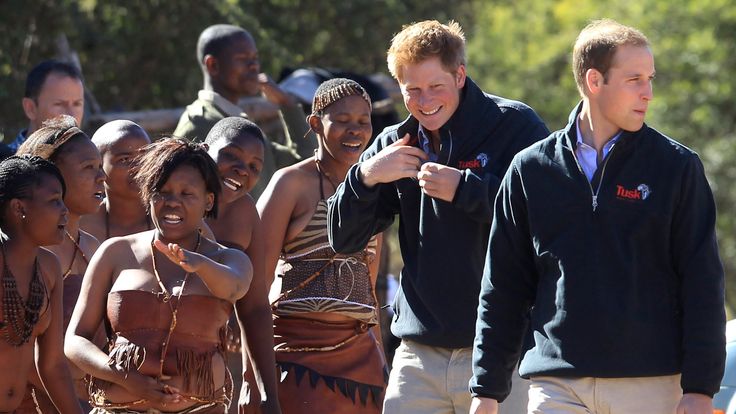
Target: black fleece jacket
[[630, 288], [442, 244]]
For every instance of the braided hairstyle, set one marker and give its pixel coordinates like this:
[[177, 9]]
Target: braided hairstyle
[[155, 163], [331, 91], [19, 174], [48, 142]]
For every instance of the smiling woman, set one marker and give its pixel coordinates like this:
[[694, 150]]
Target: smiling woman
[[166, 295], [324, 306], [237, 146]]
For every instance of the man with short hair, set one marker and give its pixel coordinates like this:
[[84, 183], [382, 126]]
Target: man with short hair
[[439, 171], [605, 233], [52, 88], [230, 66]]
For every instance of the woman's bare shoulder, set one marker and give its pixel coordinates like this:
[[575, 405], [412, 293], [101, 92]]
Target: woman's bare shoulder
[[94, 224], [88, 243], [128, 243], [219, 252], [49, 265], [242, 211], [295, 175]]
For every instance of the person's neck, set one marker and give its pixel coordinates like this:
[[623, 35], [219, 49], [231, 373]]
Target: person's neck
[[72, 224], [126, 212], [333, 168], [214, 86], [435, 139], [596, 130], [222, 209]]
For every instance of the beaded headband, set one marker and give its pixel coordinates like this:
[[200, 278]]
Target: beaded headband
[[46, 150], [327, 98]]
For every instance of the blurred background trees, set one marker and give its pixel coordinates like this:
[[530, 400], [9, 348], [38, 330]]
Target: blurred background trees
[[139, 54]]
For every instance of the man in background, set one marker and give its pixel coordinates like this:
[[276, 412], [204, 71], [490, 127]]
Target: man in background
[[52, 88], [231, 69]]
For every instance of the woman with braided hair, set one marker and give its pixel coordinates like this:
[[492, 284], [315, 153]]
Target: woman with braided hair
[[166, 295], [32, 214], [324, 304], [60, 141]]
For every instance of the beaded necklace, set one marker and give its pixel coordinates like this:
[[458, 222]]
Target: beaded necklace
[[322, 171], [167, 299], [77, 249], [18, 316]]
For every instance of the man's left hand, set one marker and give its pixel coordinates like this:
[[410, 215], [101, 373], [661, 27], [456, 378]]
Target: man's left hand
[[695, 404], [439, 181], [273, 92]]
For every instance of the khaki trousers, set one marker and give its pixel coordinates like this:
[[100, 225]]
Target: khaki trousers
[[429, 380], [645, 395]]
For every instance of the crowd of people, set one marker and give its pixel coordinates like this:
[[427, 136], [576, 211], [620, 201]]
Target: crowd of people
[[168, 275]]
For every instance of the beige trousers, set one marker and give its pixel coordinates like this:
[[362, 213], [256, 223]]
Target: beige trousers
[[429, 380], [642, 395]]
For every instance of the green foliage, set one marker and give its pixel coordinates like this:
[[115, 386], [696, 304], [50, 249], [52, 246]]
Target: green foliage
[[140, 54], [522, 49]]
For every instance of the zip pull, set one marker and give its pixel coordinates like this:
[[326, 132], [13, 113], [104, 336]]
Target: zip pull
[[595, 202]]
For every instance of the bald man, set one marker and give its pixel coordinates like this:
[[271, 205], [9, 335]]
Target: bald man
[[123, 211]]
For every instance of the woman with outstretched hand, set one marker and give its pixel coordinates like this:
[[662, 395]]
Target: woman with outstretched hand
[[165, 294]]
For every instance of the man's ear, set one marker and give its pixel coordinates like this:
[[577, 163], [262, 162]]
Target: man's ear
[[211, 64], [30, 108], [315, 124], [593, 80], [460, 76]]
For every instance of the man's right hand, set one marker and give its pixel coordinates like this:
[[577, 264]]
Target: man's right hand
[[481, 405], [396, 161]]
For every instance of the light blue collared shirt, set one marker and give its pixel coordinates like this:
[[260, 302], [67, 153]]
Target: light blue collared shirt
[[588, 156], [19, 139], [426, 144]]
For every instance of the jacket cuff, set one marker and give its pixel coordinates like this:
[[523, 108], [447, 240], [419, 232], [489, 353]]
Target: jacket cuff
[[698, 391], [482, 393], [355, 183]]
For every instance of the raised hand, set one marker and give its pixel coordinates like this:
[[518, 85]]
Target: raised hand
[[396, 161], [186, 259], [273, 92], [439, 181]]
